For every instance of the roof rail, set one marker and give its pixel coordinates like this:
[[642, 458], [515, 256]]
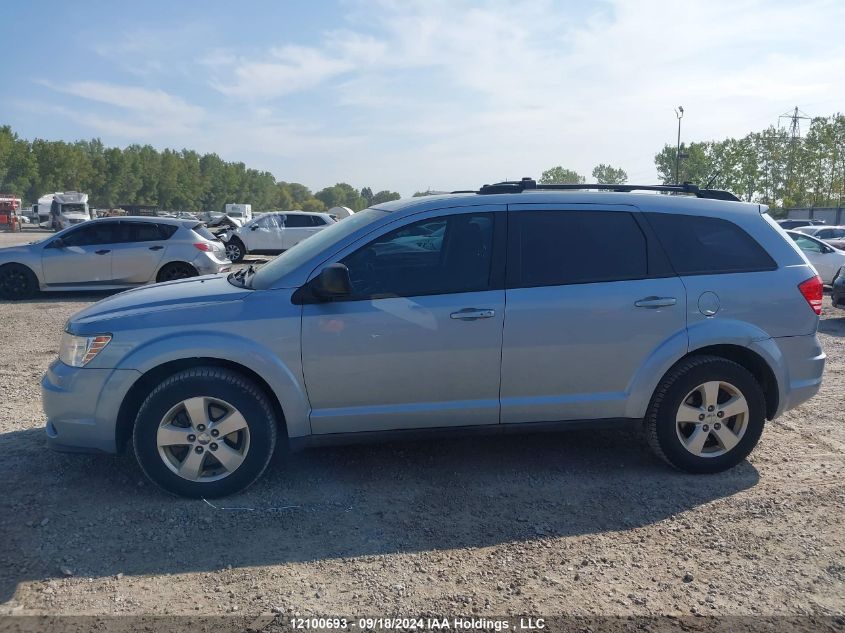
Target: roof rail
[[518, 186]]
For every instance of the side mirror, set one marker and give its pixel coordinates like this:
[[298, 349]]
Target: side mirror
[[254, 227], [58, 243], [332, 282]]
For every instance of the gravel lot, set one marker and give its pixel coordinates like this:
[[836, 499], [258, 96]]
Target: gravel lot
[[578, 523]]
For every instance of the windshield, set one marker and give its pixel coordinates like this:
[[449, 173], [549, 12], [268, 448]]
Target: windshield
[[314, 245], [74, 208]]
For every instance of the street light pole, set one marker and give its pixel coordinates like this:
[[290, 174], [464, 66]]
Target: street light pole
[[679, 112]]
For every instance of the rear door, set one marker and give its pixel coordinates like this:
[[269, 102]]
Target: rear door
[[136, 258], [297, 228], [589, 300], [85, 258]]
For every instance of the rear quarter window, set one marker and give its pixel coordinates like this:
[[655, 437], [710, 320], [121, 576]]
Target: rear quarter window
[[698, 245]]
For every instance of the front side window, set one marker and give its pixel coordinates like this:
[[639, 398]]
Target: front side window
[[95, 233], [806, 244], [443, 255], [699, 245], [554, 248]]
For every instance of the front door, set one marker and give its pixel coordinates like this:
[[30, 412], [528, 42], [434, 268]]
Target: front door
[[84, 258], [418, 344], [587, 305]]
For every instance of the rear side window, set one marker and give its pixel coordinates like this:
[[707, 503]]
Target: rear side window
[[296, 221], [146, 231], [554, 248], [699, 245], [316, 220]]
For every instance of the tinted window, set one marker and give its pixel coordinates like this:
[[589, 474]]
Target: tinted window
[[95, 233], [296, 221], [552, 248], [143, 231], [698, 246], [433, 256], [316, 220]]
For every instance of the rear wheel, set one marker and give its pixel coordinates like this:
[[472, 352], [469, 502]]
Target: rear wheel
[[17, 282], [205, 432], [235, 250], [176, 270], [706, 416]]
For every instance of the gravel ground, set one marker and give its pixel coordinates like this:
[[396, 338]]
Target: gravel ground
[[577, 523]]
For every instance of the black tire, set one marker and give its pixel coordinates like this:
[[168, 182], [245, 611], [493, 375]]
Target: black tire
[[176, 270], [17, 282], [663, 431], [235, 250], [218, 384]]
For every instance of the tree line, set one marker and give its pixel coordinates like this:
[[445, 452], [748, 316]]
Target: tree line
[[770, 167], [168, 179]]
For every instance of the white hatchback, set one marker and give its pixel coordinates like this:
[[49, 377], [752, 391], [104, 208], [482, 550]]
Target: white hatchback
[[273, 233], [826, 259]]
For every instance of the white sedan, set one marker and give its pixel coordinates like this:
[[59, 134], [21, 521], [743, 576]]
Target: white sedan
[[826, 259], [273, 233]]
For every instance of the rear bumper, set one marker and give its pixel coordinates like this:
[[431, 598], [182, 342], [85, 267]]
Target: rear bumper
[[211, 264], [81, 406], [804, 361]]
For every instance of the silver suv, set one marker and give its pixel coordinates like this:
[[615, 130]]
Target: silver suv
[[111, 253], [512, 308]]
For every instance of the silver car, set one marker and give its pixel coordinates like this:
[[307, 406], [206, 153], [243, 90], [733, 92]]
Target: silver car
[[519, 307], [111, 253]]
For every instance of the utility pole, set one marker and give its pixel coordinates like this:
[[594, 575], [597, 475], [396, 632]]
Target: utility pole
[[795, 117], [679, 112]]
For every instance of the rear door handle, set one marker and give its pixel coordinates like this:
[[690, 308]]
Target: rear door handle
[[472, 314], [655, 302], [103, 251], [156, 248]]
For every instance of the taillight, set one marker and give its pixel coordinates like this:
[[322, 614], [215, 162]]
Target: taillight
[[203, 246], [812, 290]]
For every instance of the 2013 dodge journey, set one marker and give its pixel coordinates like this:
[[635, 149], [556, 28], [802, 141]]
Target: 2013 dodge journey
[[515, 307]]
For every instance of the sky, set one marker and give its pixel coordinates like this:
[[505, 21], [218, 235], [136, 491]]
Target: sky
[[414, 95]]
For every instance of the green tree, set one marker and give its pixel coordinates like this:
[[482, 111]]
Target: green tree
[[314, 205], [384, 196], [606, 174], [559, 175]]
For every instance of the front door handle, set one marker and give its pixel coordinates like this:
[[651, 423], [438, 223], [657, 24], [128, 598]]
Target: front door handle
[[656, 302], [156, 248], [103, 251], [472, 314]]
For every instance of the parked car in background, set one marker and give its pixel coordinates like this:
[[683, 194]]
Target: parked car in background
[[832, 235], [794, 224], [511, 309], [826, 259], [111, 253], [837, 297], [273, 233]]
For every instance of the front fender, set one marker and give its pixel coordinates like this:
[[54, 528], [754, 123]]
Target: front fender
[[283, 376]]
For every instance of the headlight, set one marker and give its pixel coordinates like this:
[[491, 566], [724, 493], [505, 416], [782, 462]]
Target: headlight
[[78, 351]]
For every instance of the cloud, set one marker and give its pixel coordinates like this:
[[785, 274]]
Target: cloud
[[452, 94]]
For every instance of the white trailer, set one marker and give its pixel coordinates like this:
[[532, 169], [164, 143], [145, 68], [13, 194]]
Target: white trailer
[[62, 209], [240, 213]]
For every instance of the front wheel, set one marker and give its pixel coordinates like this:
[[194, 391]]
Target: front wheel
[[205, 432], [17, 282], [706, 415], [235, 250]]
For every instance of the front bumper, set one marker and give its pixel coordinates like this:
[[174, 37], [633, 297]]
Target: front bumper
[[81, 405]]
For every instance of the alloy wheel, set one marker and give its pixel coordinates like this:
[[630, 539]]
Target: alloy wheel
[[712, 419], [203, 439]]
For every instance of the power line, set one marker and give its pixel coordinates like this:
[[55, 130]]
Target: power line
[[795, 117]]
